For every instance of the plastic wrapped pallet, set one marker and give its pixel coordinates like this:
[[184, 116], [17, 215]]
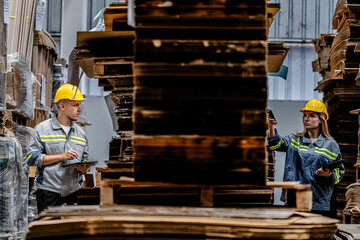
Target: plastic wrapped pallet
[[23, 82], [2, 91], [14, 190], [23, 135]]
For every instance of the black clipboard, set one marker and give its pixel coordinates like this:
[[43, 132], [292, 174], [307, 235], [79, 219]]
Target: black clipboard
[[81, 164]]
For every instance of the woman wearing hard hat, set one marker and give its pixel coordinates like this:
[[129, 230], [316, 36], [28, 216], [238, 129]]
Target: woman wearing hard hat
[[308, 152]]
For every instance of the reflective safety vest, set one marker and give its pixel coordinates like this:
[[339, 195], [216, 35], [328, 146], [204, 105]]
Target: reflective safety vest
[[302, 160], [49, 138]]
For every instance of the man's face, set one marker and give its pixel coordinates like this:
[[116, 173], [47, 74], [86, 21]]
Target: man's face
[[71, 109]]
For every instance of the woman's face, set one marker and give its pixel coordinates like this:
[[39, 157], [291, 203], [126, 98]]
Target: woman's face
[[311, 120]]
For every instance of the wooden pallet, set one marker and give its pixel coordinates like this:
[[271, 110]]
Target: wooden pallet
[[115, 17], [109, 191], [351, 218]]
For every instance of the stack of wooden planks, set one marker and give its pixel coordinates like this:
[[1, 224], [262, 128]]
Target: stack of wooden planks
[[109, 57], [322, 63], [275, 56], [341, 95], [200, 91], [145, 222], [115, 17]]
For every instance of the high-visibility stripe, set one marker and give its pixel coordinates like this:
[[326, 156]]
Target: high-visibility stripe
[[333, 158], [54, 140], [301, 149], [277, 145], [50, 136], [27, 159], [324, 149], [296, 142], [72, 140], [83, 139], [337, 171]]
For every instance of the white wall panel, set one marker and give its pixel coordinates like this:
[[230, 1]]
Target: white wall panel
[[301, 80], [302, 20]]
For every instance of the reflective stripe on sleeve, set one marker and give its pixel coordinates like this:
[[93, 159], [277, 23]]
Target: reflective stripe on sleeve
[[337, 172], [277, 145]]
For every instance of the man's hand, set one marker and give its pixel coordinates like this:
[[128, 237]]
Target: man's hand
[[50, 159], [82, 168], [69, 155], [322, 173]]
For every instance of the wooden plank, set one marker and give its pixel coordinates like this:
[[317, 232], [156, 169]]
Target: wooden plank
[[142, 210], [106, 195], [89, 39], [207, 196]]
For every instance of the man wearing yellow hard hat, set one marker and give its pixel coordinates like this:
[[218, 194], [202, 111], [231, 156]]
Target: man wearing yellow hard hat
[[55, 143], [309, 153]]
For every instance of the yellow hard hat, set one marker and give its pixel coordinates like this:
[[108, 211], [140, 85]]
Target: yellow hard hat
[[68, 91], [316, 106]]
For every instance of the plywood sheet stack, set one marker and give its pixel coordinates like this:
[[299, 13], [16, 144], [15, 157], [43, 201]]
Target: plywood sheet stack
[[21, 28], [341, 95], [200, 91], [150, 223]]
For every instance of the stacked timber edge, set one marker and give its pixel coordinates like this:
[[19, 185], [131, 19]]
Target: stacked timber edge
[[341, 95]]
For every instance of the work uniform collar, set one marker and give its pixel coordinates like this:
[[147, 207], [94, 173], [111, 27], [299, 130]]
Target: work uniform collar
[[319, 142], [56, 125]]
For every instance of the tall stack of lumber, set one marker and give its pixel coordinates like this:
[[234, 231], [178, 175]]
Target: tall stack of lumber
[[109, 57], [210, 123], [21, 28], [144, 222], [200, 91], [341, 95]]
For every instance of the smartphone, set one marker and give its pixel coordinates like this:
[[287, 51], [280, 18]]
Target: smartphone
[[271, 114]]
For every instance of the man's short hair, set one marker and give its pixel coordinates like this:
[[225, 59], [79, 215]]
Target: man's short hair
[[61, 101]]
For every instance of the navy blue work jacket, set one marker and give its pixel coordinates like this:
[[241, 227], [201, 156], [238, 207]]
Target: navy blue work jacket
[[303, 158]]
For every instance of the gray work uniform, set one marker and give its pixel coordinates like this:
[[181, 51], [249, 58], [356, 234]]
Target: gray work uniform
[[49, 138]]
